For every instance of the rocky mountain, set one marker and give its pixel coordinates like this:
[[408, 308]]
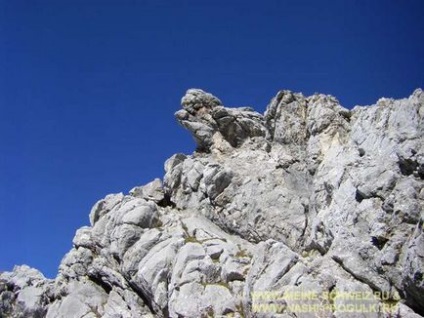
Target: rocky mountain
[[309, 210]]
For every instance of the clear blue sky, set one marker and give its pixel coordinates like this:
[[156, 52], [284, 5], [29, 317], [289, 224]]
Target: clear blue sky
[[88, 90]]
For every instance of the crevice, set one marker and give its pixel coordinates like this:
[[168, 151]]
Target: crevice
[[359, 196], [140, 294], [413, 293], [302, 237], [418, 276], [330, 298], [117, 259], [166, 201], [420, 171], [379, 241], [368, 283], [409, 166], [409, 301], [414, 307], [99, 282]]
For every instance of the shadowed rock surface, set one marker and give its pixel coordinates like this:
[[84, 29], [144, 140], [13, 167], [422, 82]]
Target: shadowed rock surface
[[310, 210]]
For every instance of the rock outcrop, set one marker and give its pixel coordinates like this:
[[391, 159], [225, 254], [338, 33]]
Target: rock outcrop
[[310, 210]]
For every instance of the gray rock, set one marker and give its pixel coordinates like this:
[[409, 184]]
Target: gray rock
[[152, 191], [24, 292], [310, 210], [196, 100], [104, 206], [215, 127]]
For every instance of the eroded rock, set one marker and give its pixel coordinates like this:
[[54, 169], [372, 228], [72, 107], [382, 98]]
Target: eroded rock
[[310, 204]]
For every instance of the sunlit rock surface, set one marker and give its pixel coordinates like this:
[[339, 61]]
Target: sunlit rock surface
[[310, 210]]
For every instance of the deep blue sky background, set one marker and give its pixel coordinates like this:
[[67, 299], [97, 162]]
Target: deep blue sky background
[[88, 90]]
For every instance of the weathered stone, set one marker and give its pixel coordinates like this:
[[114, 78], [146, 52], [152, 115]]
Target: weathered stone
[[152, 191], [310, 205]]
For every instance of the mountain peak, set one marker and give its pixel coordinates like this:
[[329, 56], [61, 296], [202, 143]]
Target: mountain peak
[[308, 204]]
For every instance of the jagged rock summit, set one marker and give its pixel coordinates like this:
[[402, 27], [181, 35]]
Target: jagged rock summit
[[215, 126], [310, 210]]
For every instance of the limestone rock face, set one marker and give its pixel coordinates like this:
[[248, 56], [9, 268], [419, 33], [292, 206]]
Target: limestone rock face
[[216, 127], [310, 210]]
